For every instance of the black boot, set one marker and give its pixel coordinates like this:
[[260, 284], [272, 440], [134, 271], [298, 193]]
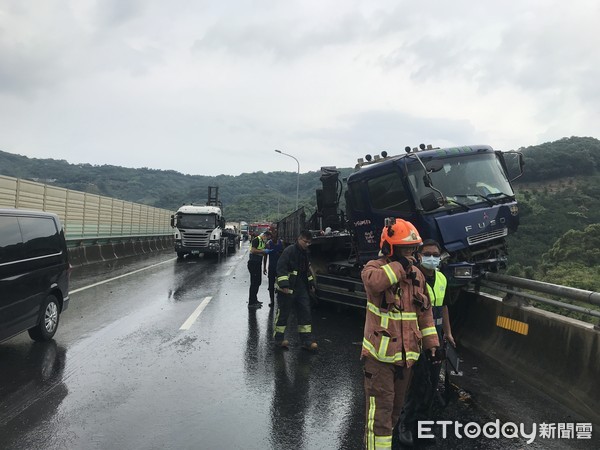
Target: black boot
[[405, 435]]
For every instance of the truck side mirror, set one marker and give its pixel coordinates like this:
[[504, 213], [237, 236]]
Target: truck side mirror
[[431, 201], [172, 221], [511, 164], [521, 165]]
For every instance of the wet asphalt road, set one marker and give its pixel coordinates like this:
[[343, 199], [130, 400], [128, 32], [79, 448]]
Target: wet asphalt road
[[122, 373]]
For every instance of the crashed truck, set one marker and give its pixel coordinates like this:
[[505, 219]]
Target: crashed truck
[[461, 196]]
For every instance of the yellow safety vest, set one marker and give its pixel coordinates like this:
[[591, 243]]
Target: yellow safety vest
[[439, 289]]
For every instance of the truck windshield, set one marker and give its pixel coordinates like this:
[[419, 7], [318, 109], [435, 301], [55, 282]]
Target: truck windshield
[[466, 179], [197, 221]]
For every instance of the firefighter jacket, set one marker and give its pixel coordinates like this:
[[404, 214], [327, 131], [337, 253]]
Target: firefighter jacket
[[293, 264], [399, 318]]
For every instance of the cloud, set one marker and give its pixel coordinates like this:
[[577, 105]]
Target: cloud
[[392, 131], [208, 87], [114, 13], [282, 39]]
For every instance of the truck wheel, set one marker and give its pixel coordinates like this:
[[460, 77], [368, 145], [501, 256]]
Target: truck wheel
[[180, 255], [44, 331]]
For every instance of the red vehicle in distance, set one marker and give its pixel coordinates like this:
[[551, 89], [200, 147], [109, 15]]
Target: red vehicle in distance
[[256, 228]]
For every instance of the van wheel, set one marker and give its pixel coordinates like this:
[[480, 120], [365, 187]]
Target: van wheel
[[44, 331]]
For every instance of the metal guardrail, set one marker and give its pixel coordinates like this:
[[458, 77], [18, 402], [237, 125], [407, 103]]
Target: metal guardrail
[[84, 215], [581, 295]]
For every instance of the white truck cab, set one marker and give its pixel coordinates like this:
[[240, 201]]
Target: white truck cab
[[199, 229]]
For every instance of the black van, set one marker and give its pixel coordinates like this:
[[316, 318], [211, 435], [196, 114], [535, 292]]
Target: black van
[[34, 273]]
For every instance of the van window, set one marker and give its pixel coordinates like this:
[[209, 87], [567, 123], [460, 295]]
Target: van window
[[11, 246], [387, 192], [40, 236]]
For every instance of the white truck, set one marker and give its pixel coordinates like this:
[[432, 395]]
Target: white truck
[[199, 229]]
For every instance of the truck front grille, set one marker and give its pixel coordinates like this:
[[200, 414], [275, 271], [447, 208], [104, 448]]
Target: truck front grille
[[192, 240], [489, 236]]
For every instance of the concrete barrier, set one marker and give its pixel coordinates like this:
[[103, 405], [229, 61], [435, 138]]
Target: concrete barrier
[[129, 248], [558, 355], [146, 246], [77, 256], [93, 253], [87, 254], [120, 250], [108, 251], [137, 247], [166, 243]]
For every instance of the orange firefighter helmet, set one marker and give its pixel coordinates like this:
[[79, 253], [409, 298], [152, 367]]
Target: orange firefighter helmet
[[398, 232]]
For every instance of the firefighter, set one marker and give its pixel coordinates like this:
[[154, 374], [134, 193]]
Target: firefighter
[[398, 322], [424, 388], [294, 282]]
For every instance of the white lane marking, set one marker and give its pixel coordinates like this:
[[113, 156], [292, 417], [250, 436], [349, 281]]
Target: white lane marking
[[190, 320], [120, 276], [229, 272]]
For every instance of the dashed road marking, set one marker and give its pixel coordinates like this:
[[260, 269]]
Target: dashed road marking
[[190, 320]]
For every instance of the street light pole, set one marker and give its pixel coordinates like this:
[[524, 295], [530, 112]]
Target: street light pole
[[297, 178]]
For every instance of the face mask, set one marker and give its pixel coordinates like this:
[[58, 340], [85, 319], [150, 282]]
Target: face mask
[[430, 262]]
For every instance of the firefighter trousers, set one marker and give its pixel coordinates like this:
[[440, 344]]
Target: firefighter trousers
[[272, 275], [299, 302], [385, 389]]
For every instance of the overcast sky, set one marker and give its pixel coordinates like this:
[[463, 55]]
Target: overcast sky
[[212, 87]]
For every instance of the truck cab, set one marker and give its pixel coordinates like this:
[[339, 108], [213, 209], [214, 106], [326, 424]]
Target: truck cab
[[199, 229], [461, 197]]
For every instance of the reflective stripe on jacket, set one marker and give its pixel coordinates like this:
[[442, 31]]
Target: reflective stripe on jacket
[[437, 294], [288, 267], [395, 326]]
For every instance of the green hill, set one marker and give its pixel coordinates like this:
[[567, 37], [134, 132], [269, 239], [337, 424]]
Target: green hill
[[254, 196], [559, 197]]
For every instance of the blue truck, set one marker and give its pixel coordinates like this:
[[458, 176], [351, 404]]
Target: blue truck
[[461, 196]]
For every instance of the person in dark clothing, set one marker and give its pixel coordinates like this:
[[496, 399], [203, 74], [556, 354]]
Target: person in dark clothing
[[276, 246], [294, 282], [424, 386], [258, 251]]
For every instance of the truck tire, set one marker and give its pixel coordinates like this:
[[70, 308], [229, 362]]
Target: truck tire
[[180, 255], [45, 329]]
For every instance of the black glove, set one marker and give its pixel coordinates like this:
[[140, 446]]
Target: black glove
[[404, 261], [439, 356]]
